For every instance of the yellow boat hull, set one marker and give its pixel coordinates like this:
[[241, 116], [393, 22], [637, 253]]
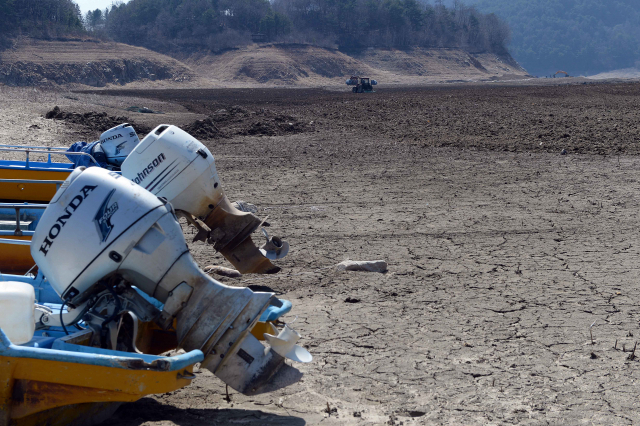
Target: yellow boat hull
[[61, 386], [15, 259], [31, 386], [32, 191]]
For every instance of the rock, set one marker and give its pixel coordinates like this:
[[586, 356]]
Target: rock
[[222, 271], [366, 266]]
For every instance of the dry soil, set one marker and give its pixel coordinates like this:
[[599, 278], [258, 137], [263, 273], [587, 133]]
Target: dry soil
[[512, 292]]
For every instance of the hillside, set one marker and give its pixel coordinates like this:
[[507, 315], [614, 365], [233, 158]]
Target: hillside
[[31, 62], [314, 66], [44, 63], [582, 37]]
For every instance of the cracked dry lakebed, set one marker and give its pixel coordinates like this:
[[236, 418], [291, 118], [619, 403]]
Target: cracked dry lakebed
[[512, 293]]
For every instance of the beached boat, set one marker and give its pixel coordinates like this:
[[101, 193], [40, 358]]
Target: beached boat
[[122, 312], [34, 181], [55, 379], [18, 221], [58, 378], [170, 164]]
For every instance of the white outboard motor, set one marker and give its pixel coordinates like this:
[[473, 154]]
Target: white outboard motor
[[118, 142], [102, 234], [172, 164]]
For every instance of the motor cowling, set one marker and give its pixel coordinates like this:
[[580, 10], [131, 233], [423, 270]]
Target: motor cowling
[[174, 165], [89, 226], [118, 142], [101, 225]]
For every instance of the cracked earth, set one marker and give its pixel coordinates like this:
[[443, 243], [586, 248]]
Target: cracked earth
[[512, 293]]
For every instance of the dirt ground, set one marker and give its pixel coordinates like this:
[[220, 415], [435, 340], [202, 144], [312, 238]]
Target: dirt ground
[[511, 295]]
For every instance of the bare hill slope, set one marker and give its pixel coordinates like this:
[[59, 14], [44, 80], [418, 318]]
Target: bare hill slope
[[38, 62], [94, 63], [311, 66]]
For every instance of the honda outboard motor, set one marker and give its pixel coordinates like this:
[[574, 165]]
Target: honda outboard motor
[[172, 164], [118, 142], [104, 239]]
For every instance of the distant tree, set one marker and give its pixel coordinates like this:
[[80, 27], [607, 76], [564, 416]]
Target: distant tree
[[275, 24], [497, 33], [414, 13], [245, 14], [6, 11], [94, 19]]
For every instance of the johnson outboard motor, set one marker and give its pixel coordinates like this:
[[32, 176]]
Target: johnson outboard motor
[[118, 142], [173, 165], [104, 240]]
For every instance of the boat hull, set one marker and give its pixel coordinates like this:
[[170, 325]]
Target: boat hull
[[55, 385], [15, 259], [32, 191]]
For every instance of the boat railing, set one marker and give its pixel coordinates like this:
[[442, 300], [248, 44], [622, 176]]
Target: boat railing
[[49, 150], [17, 207], [15, 242]]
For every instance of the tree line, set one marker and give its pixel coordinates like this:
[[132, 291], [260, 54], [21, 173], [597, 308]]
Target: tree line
[[357, 24], [40, 18], [174, 26], [186, 26]]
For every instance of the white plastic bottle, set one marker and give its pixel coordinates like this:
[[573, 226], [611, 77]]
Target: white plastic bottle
[[17, 311]]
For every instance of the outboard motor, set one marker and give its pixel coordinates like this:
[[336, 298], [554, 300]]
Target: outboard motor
[[118, 142], [173, 165], [104, 240]]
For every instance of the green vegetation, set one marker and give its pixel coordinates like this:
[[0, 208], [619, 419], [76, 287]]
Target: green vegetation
[[186, 26], [577, 36], [39, 18], [183, 26]]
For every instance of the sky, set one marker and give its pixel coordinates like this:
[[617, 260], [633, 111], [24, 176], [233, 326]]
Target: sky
[[87, 5]]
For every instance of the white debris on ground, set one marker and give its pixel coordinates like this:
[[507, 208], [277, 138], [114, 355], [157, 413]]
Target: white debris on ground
[[362, 265], [243, 206]]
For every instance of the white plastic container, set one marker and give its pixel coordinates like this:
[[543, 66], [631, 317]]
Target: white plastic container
[[17, 311]]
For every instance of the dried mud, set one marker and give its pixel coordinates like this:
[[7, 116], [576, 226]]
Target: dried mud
[[96, 121], [586, 118], [221, 124], [512, 292]]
